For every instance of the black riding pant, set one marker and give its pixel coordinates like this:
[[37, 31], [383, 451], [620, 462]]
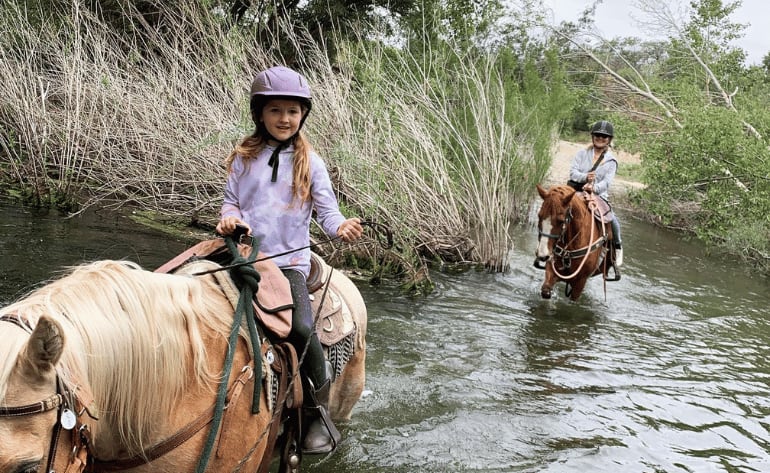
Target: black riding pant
[[302, 330]]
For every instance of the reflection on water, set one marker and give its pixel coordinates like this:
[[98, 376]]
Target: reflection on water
[[35, 245], [665, 371]]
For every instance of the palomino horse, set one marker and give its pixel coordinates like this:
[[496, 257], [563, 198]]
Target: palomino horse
[[574, 236], [114, 368]]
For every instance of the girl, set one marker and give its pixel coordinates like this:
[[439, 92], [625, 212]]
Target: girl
[[275, 181], [599, 181]]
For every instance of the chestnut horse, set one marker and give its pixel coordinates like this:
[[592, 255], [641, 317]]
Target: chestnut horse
[[115, 368], [574, 240]]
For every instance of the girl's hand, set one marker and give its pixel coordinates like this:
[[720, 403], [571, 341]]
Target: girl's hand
[[350, 230], [227, 225]]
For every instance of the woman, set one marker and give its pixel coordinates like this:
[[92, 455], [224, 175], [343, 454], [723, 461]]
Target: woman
[[275, 181], [599, 179]]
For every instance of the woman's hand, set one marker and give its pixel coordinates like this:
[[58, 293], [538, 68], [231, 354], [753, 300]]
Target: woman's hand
[[227, 225], [350, 230]]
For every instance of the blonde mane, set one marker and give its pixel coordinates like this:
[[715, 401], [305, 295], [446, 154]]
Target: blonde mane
[[138, 337]]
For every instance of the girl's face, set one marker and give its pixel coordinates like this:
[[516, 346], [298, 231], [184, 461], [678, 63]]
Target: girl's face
[[282, 118]]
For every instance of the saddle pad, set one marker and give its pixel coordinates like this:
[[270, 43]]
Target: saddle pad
[[603, 211], [335, 321]]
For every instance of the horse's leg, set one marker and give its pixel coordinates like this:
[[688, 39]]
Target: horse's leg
[[577, 288], [347, 388], [546, 290]]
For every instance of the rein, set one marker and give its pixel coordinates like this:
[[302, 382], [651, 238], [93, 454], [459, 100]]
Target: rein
[[380, 228]]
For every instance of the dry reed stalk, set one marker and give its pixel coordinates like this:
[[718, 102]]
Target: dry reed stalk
[[98, 114]]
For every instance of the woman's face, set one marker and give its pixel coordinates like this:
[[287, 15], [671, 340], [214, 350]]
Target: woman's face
[[282, 118], [600, 141]]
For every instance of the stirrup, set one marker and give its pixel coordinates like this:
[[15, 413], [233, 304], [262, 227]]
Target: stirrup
[[615, 271]]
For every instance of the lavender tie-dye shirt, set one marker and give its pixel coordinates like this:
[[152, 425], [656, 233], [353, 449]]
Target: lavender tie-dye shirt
[[280, 221]]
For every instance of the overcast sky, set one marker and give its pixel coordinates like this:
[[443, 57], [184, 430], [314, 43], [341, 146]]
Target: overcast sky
[[619, 18]]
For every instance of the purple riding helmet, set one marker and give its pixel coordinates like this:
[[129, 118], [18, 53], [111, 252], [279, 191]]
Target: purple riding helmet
[[276, 83], [279, 82]]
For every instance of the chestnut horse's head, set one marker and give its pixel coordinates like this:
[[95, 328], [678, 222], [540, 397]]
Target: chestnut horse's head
[[552, 218]]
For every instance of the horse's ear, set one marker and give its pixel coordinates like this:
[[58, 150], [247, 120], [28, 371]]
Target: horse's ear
[[44, 348], [541, 191]]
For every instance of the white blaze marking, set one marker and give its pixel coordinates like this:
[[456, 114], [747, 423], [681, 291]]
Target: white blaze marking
[[542, 246]]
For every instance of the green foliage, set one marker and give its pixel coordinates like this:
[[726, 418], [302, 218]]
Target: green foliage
[[712, 177]]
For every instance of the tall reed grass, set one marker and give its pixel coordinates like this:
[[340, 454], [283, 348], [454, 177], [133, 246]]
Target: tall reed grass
[[98, 117]]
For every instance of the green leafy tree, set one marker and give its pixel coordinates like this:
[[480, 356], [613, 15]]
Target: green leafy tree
[[707, 169]]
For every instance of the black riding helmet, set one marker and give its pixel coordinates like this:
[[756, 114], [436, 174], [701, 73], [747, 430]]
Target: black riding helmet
[[603, 127]]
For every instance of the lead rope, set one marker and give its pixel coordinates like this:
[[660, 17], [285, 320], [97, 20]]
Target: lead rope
[[249, 279], [301, 359]]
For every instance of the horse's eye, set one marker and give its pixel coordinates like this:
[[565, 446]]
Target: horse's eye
[[28, 467]]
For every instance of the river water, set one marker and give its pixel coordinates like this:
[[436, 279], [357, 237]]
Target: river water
[[667, 370]]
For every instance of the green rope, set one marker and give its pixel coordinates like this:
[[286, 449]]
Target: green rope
[[247, 279]]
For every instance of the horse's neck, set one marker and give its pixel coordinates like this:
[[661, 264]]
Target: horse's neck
[[580, 226]]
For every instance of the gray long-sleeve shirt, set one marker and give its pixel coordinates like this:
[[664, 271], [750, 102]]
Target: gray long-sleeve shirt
[[283, 223], [583, 161]]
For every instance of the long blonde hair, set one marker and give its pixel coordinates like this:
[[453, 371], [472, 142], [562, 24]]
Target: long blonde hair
[[253, 144]]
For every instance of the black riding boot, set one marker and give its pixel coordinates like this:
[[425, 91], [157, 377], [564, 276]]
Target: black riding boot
[[322, 436]]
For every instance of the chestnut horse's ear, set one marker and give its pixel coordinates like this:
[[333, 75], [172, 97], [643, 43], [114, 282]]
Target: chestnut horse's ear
[[541, 191], [44, 348]]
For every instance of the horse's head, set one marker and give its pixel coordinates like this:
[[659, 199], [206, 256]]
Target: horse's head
[[552, 218], [29, 402]]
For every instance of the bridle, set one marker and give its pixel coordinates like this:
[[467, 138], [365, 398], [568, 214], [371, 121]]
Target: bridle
[[560, 247], [63, 401]]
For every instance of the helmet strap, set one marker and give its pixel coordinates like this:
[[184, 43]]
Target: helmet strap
[[273, 162]]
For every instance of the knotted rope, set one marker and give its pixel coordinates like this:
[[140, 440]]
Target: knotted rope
[[246, 277]]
